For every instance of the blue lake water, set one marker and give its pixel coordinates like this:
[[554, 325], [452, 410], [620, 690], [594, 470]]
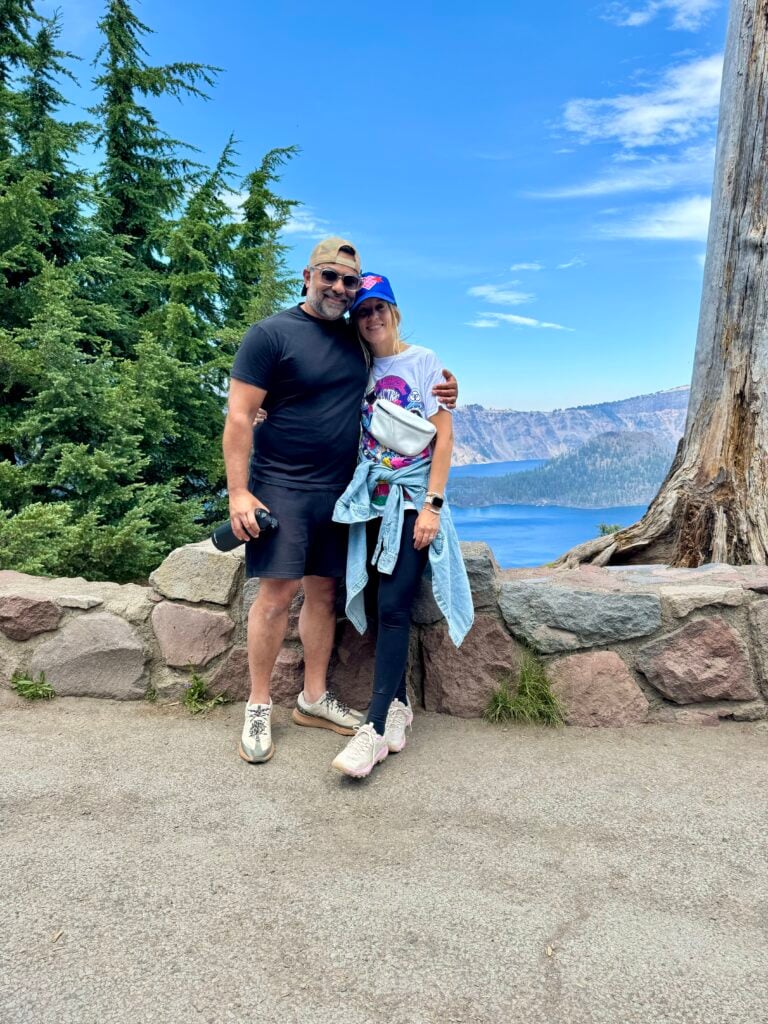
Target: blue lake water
[[524, 535], [496, 468]]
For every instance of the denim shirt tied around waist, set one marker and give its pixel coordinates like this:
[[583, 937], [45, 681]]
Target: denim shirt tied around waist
[[450, 584]]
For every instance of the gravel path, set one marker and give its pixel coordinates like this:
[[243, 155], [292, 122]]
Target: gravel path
[[482, 875]]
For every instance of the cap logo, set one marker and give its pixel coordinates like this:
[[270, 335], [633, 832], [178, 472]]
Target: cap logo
[[369, 281]]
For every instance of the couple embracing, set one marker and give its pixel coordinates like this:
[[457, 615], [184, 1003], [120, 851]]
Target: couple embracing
[[352, 459]]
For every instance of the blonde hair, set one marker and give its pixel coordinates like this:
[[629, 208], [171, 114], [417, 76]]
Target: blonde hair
[[396, 320]]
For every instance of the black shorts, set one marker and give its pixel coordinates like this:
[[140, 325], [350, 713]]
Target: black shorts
[[306, 543]]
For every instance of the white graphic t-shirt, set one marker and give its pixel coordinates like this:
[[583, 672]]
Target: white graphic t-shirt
[[407, 380]]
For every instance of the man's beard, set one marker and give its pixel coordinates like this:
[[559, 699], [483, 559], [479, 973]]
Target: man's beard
[[325, 308]]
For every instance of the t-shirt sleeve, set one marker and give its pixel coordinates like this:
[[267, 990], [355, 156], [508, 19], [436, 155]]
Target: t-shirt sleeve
[[257, 358], [433, 374]]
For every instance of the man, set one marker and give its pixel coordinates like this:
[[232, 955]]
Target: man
[[307, 369]]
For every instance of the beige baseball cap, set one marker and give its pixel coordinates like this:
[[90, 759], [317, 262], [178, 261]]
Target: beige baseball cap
[[332, 250]]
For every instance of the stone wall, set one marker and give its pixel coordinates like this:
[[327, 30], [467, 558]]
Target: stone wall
[[621, 646]]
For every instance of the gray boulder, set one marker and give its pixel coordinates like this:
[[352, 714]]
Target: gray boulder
[[554, 618], [97, 655], [199, 573]]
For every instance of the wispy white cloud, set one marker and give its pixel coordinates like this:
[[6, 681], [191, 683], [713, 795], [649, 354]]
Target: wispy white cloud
[[502, 295], [577, 261], [305, 222], [683, 105], [526, 266], [660, 173], [684, 219], [234, 201], [686, 14], [486, 320], [701, 258]]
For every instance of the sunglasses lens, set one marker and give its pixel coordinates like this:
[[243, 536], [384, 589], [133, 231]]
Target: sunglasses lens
[[350, 282]]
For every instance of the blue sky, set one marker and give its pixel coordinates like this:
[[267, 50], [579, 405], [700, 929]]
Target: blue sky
[[534, 179]]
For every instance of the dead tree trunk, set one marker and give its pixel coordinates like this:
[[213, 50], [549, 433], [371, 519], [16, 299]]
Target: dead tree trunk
[[713, 505]]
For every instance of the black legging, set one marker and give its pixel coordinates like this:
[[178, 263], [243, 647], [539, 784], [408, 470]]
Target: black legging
[[389, 600]]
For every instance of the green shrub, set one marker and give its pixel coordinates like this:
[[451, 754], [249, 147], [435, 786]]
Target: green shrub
[[530, 701], [196, 698], [605, 528], [32, 689]]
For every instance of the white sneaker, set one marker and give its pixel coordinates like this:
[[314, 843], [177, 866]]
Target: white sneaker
[[399, 718], [364, 750], [256, 742], [327, 713]]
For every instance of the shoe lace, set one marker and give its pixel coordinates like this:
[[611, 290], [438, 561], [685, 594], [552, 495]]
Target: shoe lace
[[397, 717], [332, 700], [360, 742], [258, 717]]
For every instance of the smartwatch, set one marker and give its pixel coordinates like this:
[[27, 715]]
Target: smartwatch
[[435, 500]]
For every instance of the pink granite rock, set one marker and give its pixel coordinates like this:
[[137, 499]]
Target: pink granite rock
[[705, 660], [24, 617], [758, 623], [460, 681], [190, 636], [597, 688], [96, 655], [683, 716], [232, 677], [287, 677]]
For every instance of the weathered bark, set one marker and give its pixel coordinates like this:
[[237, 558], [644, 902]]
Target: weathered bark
[[713, 505]]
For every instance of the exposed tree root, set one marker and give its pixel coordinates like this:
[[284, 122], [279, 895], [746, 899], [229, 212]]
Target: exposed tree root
[[688, 524]]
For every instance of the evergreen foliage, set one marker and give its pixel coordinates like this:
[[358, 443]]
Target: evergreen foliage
[[615, 468], [123, 295]]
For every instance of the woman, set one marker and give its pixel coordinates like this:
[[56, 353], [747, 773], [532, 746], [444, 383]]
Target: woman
[[398, 518]]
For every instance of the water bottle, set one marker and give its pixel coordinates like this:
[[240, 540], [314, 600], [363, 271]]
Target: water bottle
[[224, 538]]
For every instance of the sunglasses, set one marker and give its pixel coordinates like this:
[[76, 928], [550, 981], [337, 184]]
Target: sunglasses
[[364, 312], [350, 281]]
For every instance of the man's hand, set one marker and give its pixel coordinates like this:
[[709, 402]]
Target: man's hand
[[242, 505], [447, 393]]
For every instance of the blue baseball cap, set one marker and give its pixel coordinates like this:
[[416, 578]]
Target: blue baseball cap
[[374, 286]]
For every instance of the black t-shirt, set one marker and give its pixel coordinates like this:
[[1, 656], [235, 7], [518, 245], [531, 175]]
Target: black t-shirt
[[314, 374]]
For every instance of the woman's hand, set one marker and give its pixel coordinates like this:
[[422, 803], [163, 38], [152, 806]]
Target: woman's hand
[[425, 528]]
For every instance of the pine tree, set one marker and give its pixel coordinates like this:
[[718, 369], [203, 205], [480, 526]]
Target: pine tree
[[122, 299], [15, 16], [144, 177], [48, 145], [262, 284]]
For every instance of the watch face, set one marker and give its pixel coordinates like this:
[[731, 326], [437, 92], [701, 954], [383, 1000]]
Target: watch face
[[436, 502]]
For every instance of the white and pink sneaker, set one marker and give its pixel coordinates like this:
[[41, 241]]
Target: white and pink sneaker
[[399, 718], [364, 750]]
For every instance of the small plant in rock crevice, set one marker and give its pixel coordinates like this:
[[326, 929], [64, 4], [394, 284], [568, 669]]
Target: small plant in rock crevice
[[530, 701], [196, 698], [32, 689], [606, 528]]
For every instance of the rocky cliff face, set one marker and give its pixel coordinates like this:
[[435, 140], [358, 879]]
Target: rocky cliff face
[[505, 435]]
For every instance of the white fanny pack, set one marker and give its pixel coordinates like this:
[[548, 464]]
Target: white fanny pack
[[399, 430], [404, 432]]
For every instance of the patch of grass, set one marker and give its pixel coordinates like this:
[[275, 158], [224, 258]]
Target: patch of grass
[[32, 689], [531, 701], [150, 696], [605, 528], [196, 698]]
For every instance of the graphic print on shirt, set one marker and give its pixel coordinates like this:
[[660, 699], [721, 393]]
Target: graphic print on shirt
[[398, 391]]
